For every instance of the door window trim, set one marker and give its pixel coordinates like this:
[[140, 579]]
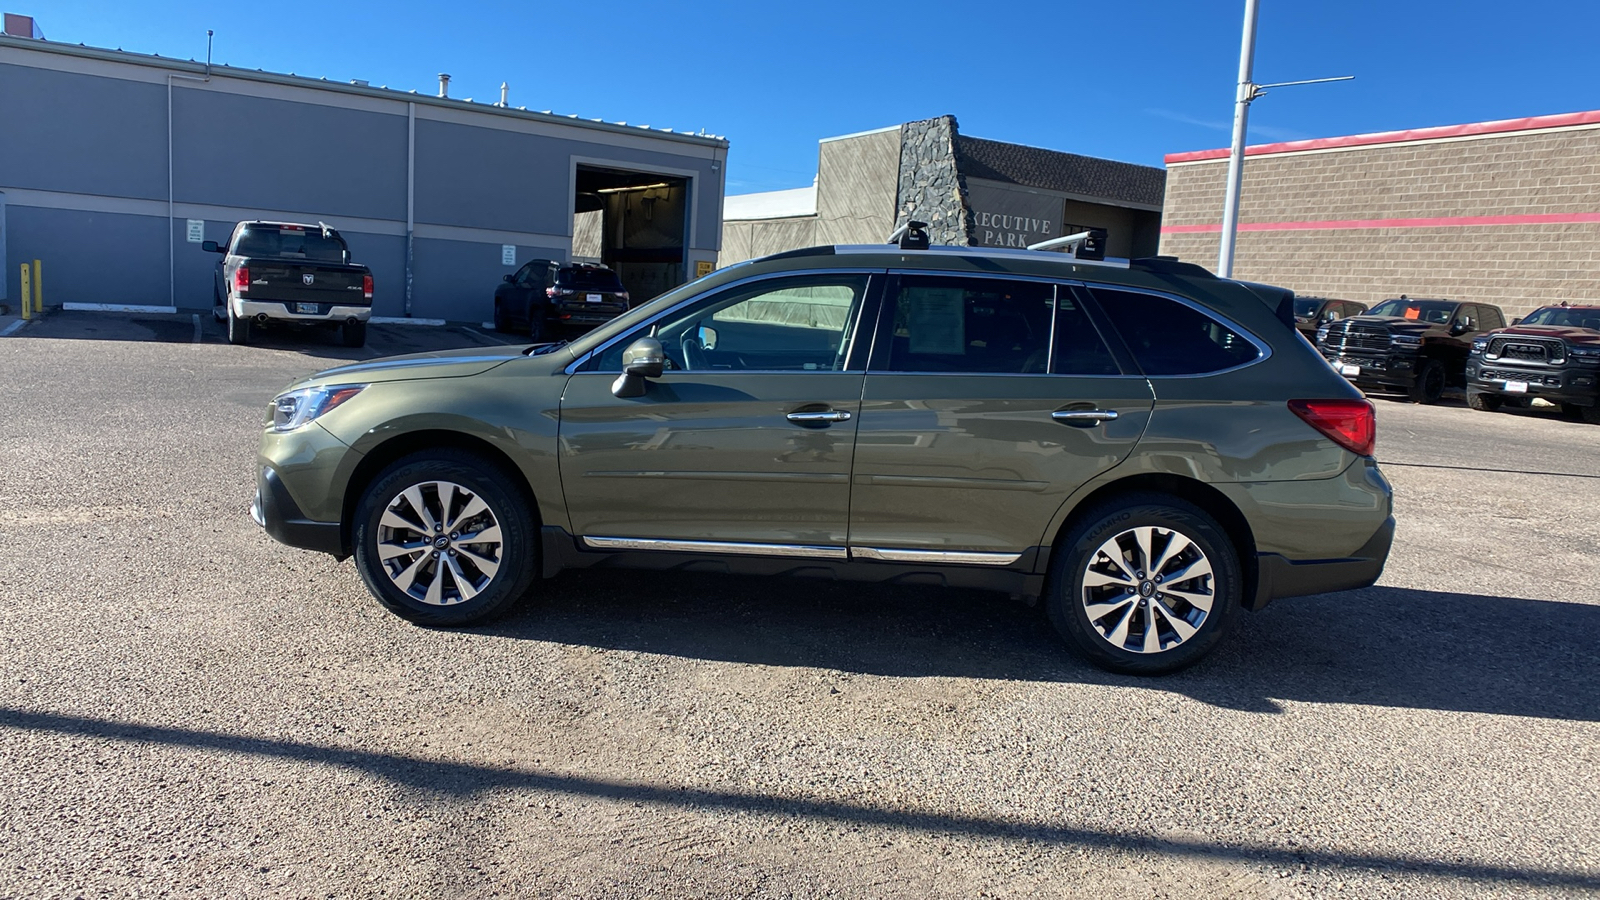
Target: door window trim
[[869, 301]]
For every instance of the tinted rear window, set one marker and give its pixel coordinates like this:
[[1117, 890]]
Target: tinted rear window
[[302, 243], [1171, 338], [590, 279]]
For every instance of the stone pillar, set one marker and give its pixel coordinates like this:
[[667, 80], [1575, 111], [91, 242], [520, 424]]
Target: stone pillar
[[932, 188]]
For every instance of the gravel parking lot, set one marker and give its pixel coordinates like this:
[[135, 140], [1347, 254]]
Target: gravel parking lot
[[188, 708]]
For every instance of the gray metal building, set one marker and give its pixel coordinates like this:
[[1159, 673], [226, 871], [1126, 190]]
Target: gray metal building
[[116, 165]]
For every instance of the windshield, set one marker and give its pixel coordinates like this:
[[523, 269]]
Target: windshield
[[1579, 317], [1436, 311], [289, 242], [1306, 307]]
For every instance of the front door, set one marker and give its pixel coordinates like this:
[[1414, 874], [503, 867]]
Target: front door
[[987, 403], [743, 445]]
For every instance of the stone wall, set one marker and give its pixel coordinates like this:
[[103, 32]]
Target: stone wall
[[1302, 216], [932, 189]]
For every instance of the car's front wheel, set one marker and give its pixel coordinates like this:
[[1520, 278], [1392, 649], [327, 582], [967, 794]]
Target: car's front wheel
[[1486, 402], [1430, 383], [444, 538], [1144, 585]]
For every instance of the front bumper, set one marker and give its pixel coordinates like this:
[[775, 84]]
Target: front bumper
[[1579, 387], [277, 513], [1392, 371], [280, 311]]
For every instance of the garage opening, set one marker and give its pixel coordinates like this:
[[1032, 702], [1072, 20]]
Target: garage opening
[[634, 222]]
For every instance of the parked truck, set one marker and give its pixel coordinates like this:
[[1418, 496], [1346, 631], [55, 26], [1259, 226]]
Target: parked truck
[[286, 273]]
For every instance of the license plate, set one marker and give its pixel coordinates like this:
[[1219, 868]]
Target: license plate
[[1349, 370], [1516, 387], [594, 298], [309, 309]]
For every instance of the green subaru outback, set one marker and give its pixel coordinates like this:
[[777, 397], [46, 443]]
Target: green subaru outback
[[1141, 446]]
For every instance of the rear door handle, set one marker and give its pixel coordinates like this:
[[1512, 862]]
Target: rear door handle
[[817, 417], [1084, 416]]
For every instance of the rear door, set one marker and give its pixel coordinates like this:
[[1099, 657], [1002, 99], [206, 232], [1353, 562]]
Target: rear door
[[988, 401], [744, 444]]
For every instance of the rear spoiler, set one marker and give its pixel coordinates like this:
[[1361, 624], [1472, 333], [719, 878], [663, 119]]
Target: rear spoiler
[[1279, 300]]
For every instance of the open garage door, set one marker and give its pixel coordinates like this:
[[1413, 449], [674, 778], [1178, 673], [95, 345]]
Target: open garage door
[[634, 222]]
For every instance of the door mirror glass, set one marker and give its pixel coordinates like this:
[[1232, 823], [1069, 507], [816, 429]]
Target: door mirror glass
[[1330, 315], [1517, 321], [707, 337], [211, 247]]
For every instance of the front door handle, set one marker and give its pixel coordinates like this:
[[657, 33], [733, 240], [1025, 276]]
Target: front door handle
[[817, 417], [1084, 416]]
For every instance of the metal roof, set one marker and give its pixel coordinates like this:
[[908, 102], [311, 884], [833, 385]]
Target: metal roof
[[322, 84]]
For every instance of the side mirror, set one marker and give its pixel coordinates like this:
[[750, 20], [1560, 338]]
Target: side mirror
[[507, 279], [643, 359], [1517, 321], [1330, 315], [707, 337], [211, 247]]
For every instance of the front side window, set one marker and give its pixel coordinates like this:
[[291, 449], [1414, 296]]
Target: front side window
[[798, 324], [959, 324], [1172, 338]]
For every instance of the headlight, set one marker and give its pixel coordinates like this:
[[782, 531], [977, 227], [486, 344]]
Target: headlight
[[1406, 340], [296, 408], [1479, 344], [1584, 354]]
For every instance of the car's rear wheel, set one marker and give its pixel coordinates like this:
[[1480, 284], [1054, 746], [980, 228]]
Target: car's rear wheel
[[1430, 383], [538, 328], [1144, 585], [500, 317], [1485, 402], [1590, 414], [238, 328], [354, 334], [444, 538]]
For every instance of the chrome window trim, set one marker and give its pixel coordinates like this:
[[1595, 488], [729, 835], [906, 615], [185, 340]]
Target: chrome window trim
[[1263, 350], [789, 550], [948, 557], [572, 367]]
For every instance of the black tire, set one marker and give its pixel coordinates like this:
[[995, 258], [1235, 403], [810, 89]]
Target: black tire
[[1590, 414], [1068, 598], [500, 318], [1485, 402], [516, 555], [238, 329], [1430, 383], [354, 334], [537, 326]]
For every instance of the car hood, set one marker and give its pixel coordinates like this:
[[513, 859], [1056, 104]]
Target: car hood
[[1397, 324], [1570, 334], [441, 364]]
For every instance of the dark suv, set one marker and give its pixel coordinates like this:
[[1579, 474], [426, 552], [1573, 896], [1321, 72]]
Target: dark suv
[[1553, 354], [1143, 447], [1416, 347], [545, 295]]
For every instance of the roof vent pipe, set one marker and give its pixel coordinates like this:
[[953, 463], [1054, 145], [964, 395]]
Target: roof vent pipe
[[444, 85], [505, 94]]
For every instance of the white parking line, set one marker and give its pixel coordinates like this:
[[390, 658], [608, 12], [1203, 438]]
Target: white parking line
[[196, 319], [12, 328]]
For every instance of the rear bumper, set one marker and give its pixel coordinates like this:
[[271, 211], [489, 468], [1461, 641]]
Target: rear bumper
[[279, 311], [1281, 577]]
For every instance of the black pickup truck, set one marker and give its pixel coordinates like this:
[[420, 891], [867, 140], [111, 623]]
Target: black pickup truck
[[1553, 354], [290, 273], [1417, 347]]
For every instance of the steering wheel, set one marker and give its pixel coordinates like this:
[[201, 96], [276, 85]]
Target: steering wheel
[[694, 353]]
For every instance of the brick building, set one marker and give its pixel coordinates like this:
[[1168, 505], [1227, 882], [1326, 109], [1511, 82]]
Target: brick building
[[1503, 212]]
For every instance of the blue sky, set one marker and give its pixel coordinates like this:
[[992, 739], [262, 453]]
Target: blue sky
[[1125, 79]]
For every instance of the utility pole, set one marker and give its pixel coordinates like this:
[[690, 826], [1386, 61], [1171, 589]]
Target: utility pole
[[1248, 90]]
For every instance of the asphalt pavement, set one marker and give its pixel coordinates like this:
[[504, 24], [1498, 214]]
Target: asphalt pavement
[[190, 709]]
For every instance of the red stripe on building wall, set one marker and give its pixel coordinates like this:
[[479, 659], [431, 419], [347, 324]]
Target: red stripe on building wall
[[1399, 137], [1436, 222]]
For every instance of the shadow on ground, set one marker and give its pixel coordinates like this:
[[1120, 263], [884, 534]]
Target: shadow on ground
[[1379, 646]]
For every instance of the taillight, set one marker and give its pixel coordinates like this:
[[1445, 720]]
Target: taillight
[[553, 292], [366, 287], [1352, 424], [241, 279]]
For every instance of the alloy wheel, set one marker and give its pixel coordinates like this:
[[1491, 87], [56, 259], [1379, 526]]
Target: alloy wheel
[[439, 542], [1148, 589]]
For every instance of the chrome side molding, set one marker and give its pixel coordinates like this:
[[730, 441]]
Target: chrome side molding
[[939, 557], [800, 550]]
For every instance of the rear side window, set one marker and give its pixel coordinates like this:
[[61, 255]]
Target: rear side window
[[955, 324], [1172, 338]]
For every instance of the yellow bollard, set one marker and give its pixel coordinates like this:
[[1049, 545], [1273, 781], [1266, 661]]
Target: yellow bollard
[[38, 289], [26, 292]]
